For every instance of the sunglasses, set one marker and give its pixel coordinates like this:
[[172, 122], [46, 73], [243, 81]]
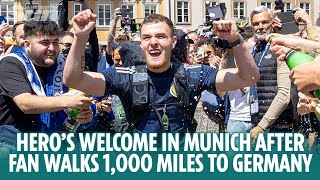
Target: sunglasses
[[67, 45]]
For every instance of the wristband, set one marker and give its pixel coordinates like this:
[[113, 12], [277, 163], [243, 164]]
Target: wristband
[[237, 42]]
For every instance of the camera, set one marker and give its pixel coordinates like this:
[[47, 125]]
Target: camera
[[125, 12], [140, 91], [279, 5]]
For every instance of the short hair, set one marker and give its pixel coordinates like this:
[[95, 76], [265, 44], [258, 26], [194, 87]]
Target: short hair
[[66, 33], [122, 37], [261, 9], [193, 32], [157, 18], [200, 43], [45, 28], [14, 27]]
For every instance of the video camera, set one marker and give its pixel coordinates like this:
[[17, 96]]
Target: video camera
[[127, 23], [279, 5], [216, 12]]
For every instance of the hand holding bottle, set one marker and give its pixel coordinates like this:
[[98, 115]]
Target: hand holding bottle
[[78, 100], [85, 115], [304, 68], [307, 103]]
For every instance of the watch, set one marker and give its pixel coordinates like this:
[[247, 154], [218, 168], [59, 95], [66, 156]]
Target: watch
[[237, 42]]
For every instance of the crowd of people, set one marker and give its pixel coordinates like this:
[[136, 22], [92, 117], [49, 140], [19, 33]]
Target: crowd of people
[[165, 79]]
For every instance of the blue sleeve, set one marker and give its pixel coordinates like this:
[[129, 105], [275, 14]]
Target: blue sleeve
[[116, 82], [209, 78]]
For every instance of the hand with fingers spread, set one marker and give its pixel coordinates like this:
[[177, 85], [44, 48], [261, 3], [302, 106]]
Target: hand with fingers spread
[[83, 23], [226, 29], [4, 28]]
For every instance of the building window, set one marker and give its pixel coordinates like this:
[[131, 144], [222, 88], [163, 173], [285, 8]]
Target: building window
[[286, 7], [76, 9], [267, 4], [150, 9], [238, 10], [54, 12], [208, 4], [130, 7], [7, 10], [104, 14], [305, 6], [183, 12]]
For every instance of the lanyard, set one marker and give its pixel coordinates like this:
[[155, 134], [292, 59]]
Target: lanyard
[[254, 51]]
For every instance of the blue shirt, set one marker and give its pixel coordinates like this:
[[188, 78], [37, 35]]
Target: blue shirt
[[119, 82]]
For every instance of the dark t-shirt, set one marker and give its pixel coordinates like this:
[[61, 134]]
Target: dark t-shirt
[[13, 82], [119, 82]]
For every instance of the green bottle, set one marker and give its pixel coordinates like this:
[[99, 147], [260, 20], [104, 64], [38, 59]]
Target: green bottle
[[71, 124], [295, 58]]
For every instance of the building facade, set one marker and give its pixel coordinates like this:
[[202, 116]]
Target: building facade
[[193, 12], [183, 13], [17, 10]]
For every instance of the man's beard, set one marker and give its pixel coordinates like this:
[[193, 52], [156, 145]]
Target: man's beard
[[262, 37], [156, 65], [38, 60]]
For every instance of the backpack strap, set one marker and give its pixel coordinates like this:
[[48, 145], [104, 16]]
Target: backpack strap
[[183, 95]]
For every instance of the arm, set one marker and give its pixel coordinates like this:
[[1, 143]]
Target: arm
[[313, 33], [281, 100], [112, 30], [33, 104], [15, 85], [301, 15], [246, 72], [73, 76], [296, 43], [244, 75]]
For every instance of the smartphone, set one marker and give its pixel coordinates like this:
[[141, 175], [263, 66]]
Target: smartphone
[[201, 51], [125, 12], [215, 12], [289, 24], [3, 19]]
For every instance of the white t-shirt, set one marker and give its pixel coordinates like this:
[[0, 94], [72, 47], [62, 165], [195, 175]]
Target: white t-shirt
[[239, 105]]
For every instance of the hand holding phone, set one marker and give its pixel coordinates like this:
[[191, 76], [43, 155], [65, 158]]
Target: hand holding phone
[[201, 51]]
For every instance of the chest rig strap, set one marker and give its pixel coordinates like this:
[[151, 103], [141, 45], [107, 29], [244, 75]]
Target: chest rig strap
[[164, 119]]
